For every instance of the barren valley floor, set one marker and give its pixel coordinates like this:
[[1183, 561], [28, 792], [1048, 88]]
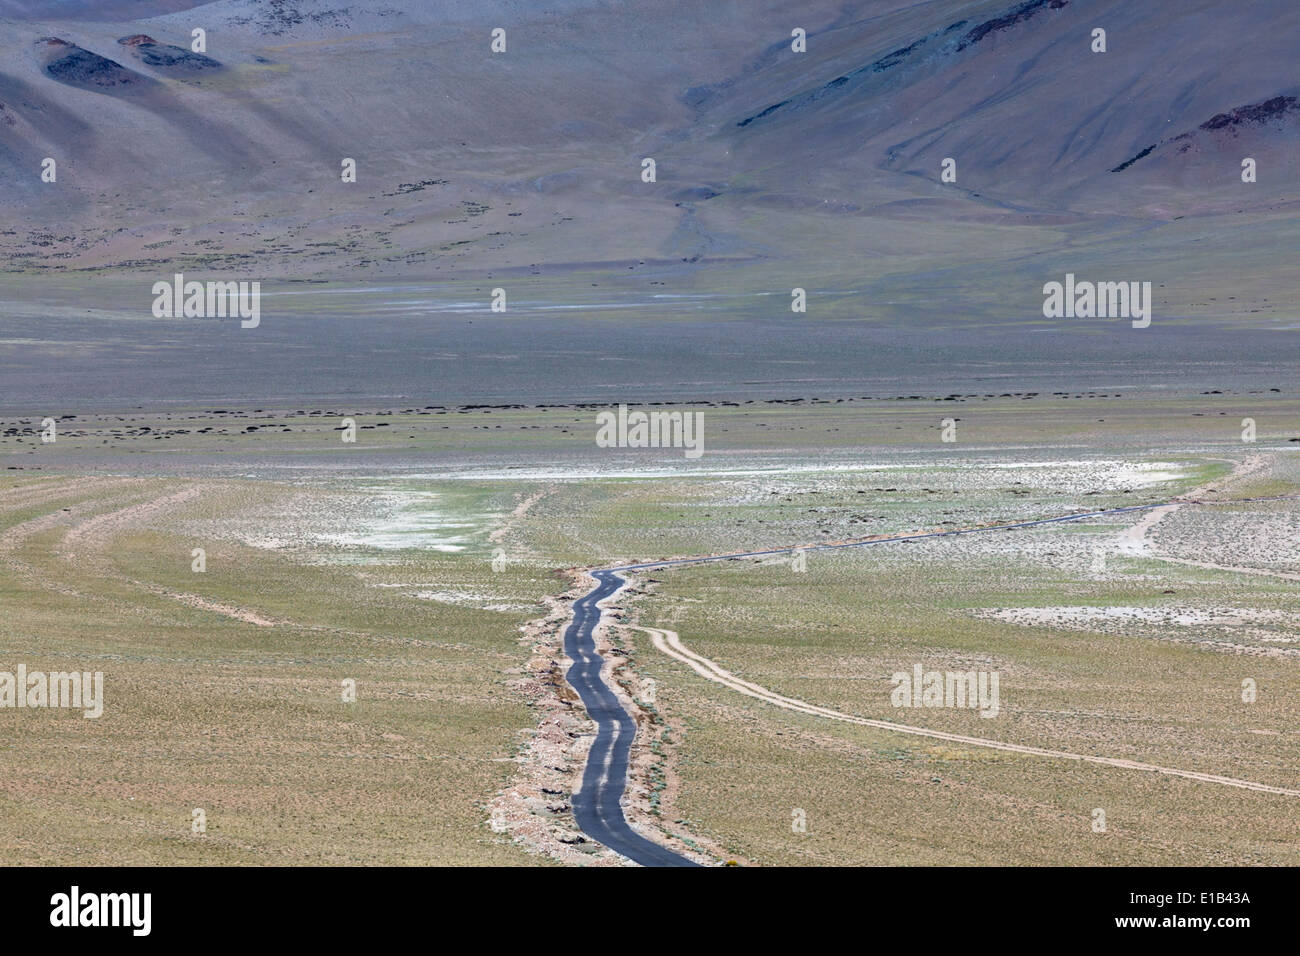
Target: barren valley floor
[[431, 563]]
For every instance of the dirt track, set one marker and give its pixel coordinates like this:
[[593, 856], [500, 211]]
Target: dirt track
[[670, 643]]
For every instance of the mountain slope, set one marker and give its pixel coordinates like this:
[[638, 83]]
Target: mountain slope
[[825, 164]]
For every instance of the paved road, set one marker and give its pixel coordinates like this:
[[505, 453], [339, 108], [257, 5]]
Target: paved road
[[597, 807]]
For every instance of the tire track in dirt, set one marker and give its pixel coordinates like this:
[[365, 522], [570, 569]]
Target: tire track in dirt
[[84, 543], [520, 510], [1137, 539], [669, 642], [56, 494], [88, 541]]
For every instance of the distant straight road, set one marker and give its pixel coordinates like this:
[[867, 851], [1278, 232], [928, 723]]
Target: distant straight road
[[597, 807]]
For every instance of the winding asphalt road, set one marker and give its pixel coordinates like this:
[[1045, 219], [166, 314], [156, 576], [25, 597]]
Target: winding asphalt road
[[597, 807]]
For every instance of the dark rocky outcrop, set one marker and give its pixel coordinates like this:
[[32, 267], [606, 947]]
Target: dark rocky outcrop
[[165, 56]]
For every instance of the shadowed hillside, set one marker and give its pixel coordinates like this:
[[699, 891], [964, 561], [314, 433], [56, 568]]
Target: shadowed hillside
[[821, 168]]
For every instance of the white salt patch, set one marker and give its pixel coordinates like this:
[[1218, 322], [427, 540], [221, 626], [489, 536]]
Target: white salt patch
[[1185, 617], [1088, 474], [483, 602], [411, 520]]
